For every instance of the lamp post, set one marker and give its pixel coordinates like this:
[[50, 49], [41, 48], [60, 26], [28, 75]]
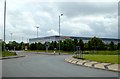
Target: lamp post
[[37, 37], [4, 21], [59, 32], [37, 31], [11, 36], [22, 43]]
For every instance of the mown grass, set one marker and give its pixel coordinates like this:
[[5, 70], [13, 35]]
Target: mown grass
[[102, 58], [7, 53], [103, 52]]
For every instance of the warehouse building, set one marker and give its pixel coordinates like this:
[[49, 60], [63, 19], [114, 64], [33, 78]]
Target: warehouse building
[[56, 38]]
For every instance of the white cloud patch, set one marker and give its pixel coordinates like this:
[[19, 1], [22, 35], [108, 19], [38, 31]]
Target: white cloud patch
[[52, 32], [82, 18]]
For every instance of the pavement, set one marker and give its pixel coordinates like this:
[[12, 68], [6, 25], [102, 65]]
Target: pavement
[[94, 64]]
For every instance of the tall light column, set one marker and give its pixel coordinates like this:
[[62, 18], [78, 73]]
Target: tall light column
[[4, 21], [37, 37], [37, 31], [59, 32], [11, 36]]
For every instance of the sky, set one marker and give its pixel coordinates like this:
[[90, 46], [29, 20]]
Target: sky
[[82, 18]]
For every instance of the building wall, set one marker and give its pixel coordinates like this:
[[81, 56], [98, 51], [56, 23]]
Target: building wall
[[56, 38]]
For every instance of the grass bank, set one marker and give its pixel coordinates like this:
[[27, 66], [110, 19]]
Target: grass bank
[[7, 53], [102, 58], [103, 52]]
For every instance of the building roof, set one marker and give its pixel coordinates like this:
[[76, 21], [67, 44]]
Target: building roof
[[74, 37]]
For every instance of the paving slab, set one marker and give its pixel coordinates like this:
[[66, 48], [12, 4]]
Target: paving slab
[[80, 62], [70, 60], [74, 61], [101, 65], [90, 64], [114, 67]]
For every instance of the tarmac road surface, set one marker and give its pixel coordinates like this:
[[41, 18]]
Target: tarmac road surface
[[40, 65]]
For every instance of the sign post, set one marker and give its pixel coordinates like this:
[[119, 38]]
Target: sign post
[[47, 46], [79, 52]]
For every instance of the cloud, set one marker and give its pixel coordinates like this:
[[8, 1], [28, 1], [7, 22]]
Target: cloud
[[82, 18], [52, 32], [87, 8]]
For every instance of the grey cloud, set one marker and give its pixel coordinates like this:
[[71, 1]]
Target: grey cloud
[[87, 8], [25, 24]]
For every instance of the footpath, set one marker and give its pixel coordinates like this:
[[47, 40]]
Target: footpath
[[94, 64]]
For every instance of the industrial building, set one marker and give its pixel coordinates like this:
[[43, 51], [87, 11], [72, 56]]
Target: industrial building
[[56, 38]]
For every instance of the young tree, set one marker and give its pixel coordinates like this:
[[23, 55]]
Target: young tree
[[33, 46], [68, 45], [40, 46], [51, 46], [81, 44], [96, 44], [118, 46], [111, 46], [75, 42]]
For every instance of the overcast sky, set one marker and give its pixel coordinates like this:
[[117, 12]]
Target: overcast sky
[[84, 18]]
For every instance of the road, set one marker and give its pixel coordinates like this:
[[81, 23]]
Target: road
[[37, 65]]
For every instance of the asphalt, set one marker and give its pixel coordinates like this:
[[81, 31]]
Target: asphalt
[[37, 65]]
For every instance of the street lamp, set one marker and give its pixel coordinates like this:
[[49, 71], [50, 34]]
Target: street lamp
[[11, 36], [59, 32], [37, 36], [4, 21], [37, 31]]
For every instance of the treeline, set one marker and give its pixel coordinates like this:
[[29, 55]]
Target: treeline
[[70, 45], [65, 45], [13, 45]]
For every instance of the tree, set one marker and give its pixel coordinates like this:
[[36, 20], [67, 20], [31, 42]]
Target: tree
[[21, 46], [111, 46], [118, 46], [33, 46], [55, 44], [40, 46], [75, 42], [68, 45], [96, 44], [81, 44], [85, 46], [51, 46]]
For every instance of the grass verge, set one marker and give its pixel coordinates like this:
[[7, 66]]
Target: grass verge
[[102, 58], [7, 53]]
